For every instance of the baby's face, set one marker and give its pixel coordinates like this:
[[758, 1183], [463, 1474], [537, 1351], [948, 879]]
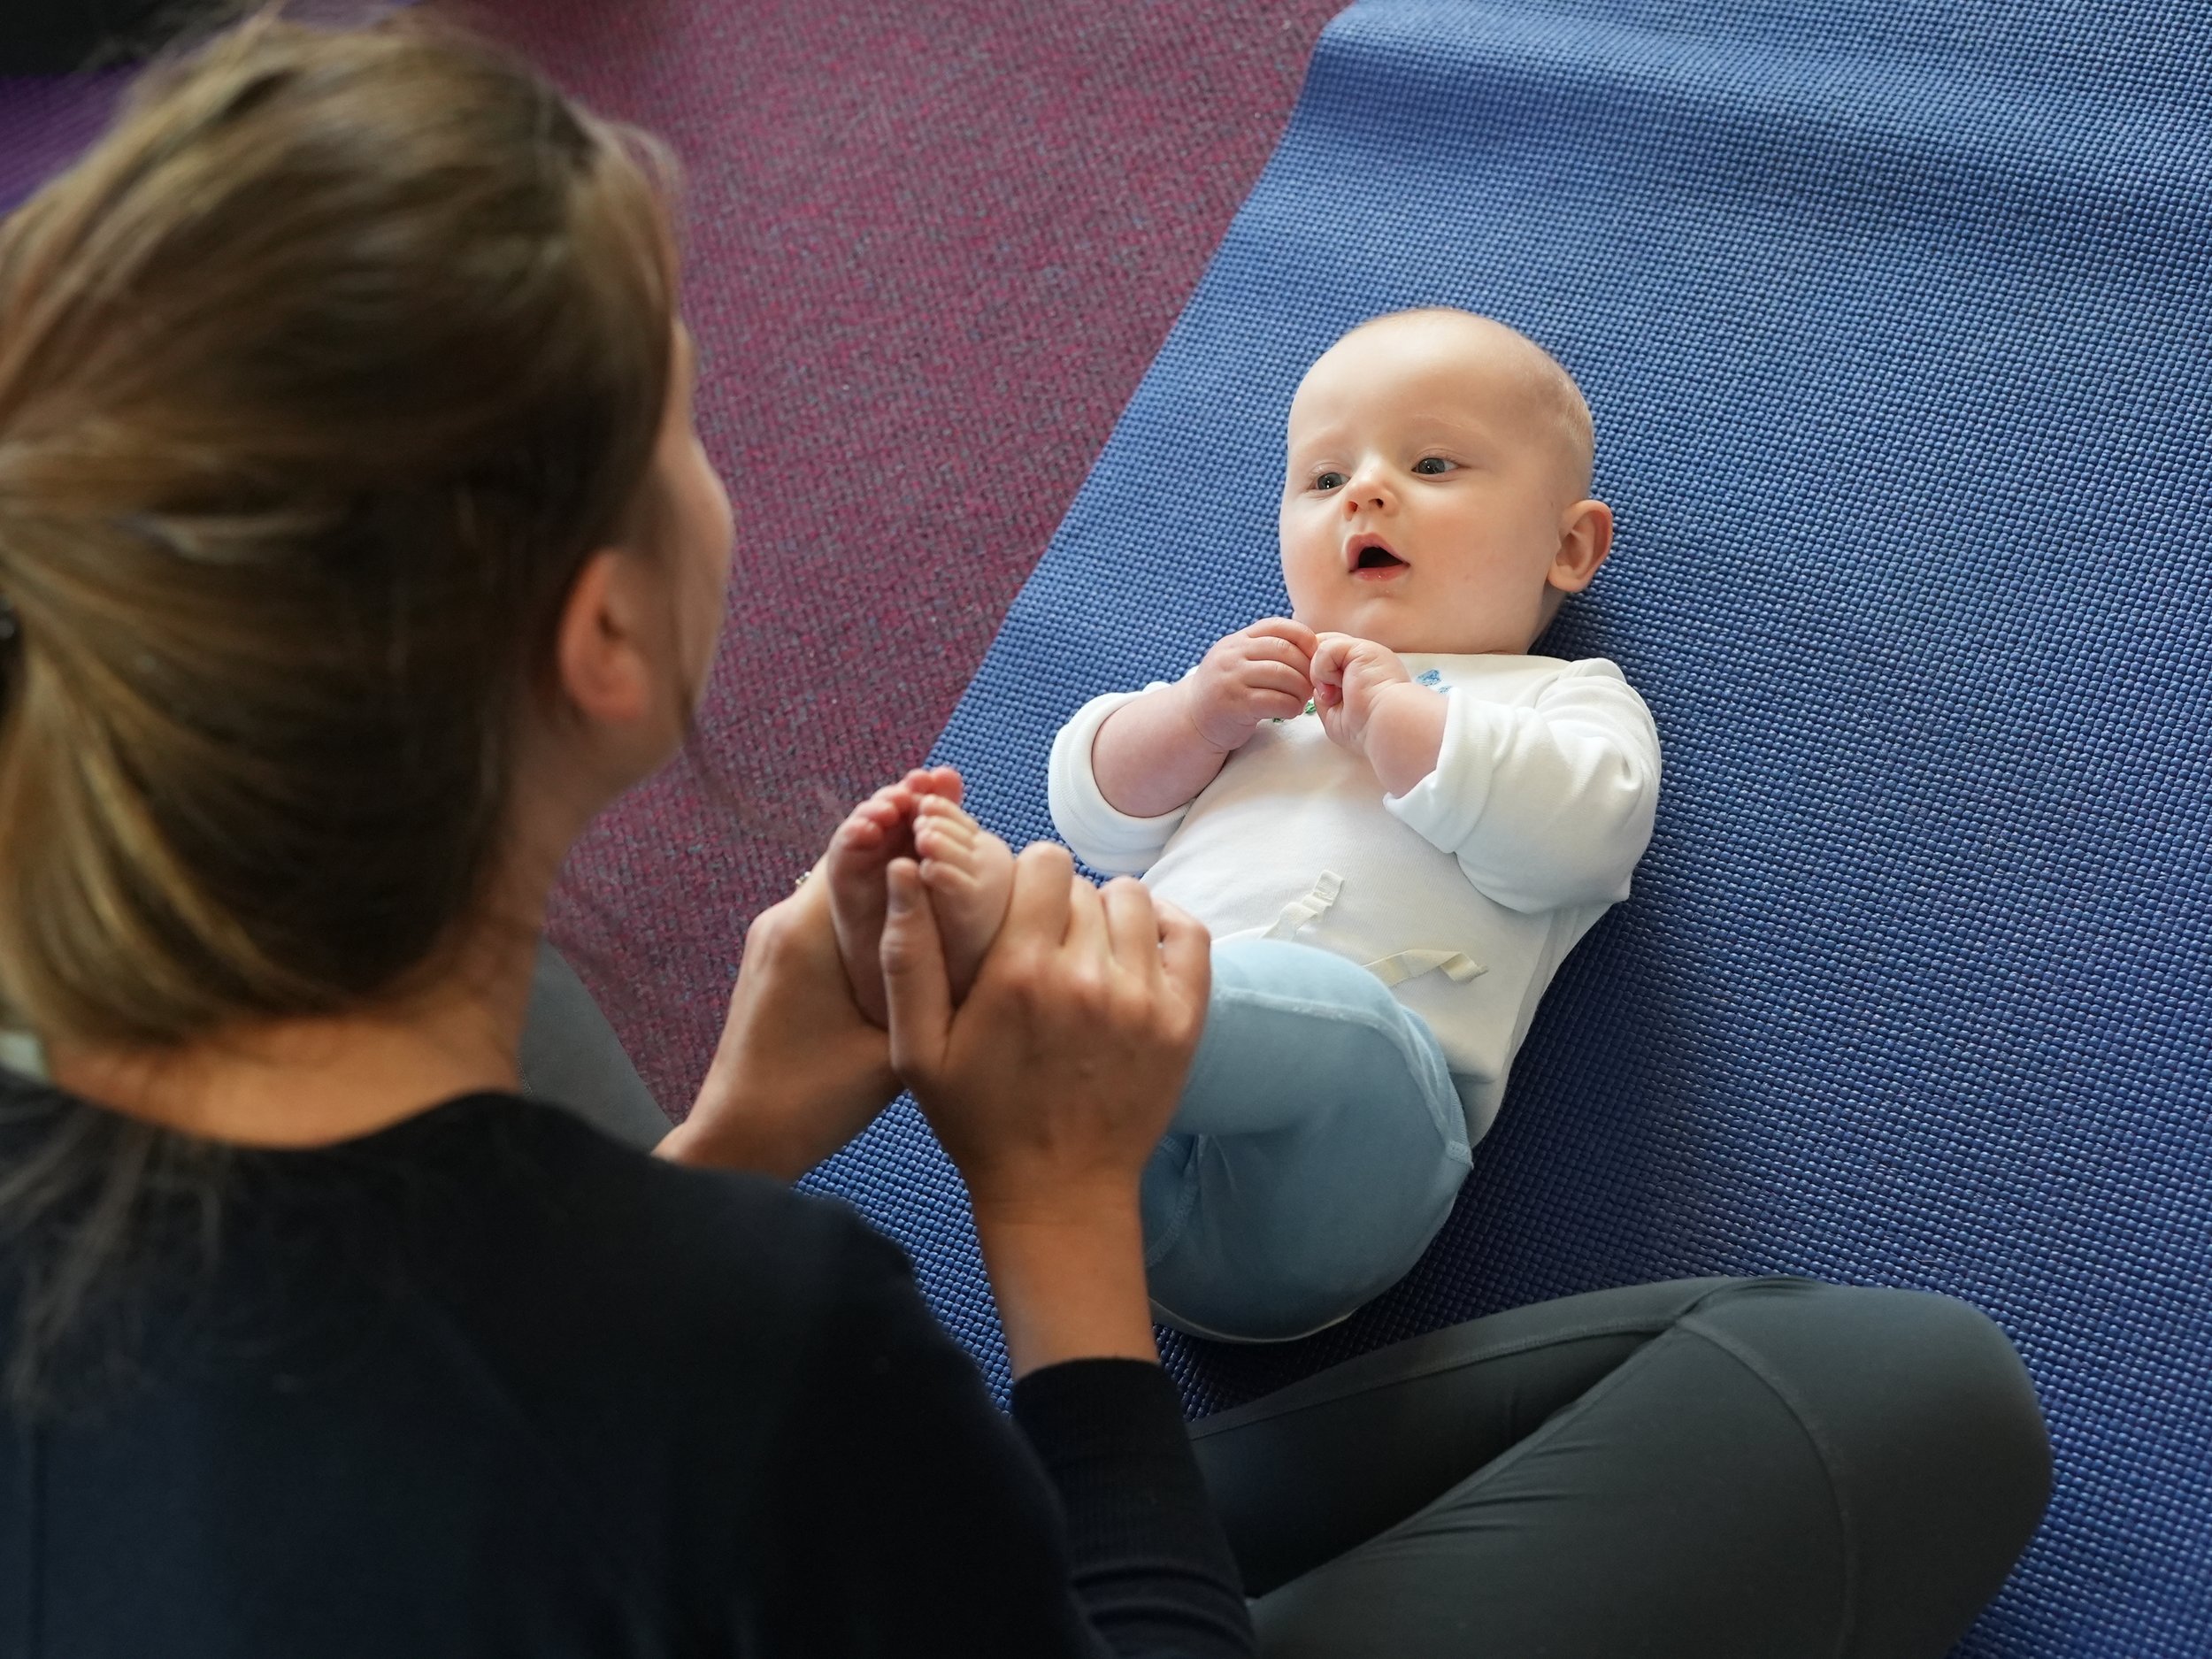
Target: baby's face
[[1428, 489]]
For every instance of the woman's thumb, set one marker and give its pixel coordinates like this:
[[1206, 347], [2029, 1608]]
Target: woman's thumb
[[915, 985]]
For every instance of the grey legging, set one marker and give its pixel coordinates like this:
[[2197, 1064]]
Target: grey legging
[[1714, 1469]]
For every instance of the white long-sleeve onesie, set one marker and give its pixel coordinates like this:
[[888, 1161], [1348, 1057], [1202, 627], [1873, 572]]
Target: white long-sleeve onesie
[[1465, 893]]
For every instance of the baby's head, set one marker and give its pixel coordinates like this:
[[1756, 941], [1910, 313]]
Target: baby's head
[[1436, 493]]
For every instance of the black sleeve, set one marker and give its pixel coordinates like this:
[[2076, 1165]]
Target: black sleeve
[[914, 1520], [1152, 1566]]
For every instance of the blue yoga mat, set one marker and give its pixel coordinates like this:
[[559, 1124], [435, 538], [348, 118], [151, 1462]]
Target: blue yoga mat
[[1895, 321]]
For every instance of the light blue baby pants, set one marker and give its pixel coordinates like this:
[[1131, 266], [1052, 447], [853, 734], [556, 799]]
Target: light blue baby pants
[[1316, 1152]]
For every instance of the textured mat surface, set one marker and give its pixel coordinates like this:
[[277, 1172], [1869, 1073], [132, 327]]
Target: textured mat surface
[[1896, 326]]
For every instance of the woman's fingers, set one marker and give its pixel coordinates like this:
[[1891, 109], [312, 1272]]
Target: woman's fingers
[[1038, 911], [1133, 925], [1185, 953], [915, 983], [1086, 937], [1050, 1085]]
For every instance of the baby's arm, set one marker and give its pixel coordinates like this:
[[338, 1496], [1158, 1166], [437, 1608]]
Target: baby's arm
[[1157, 750], [1148, 757], [1544, 806]]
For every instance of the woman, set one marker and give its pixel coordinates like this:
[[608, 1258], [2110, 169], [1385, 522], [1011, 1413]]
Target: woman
[[356, 549]]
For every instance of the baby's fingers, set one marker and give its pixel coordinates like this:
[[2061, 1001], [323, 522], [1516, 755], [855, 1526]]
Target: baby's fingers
[[1275, 705], [1297, 635], [1277, 677], [1330, 658], [1268, 649]]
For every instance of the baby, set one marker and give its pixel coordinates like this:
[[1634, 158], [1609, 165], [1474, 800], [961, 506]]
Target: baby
[[1395, 822]]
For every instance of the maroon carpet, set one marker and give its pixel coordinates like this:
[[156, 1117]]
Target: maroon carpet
[[934, 244]]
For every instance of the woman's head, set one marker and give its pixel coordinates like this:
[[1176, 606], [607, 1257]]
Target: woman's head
[[327, 379]]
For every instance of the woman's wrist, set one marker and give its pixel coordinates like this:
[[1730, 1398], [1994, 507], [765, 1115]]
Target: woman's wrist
[[783, 1137], [1069, 1280], [706, 1142]]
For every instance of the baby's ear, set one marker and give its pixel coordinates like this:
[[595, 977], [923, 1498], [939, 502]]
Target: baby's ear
[[1586, 536]]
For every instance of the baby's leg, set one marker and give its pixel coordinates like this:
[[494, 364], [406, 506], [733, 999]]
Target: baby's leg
[[970, 875], [877, 829], [1316, 1149]]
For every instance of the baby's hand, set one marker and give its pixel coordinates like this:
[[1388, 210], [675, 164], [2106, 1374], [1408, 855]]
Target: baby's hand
[[1349, 678], [1258, 673]]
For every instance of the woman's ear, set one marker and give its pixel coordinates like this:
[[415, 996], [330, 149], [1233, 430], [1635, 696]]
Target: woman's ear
[[1586, 536], [599, 651]]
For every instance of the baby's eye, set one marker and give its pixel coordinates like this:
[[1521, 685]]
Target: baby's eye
[[1328, 481], [1431, 466]]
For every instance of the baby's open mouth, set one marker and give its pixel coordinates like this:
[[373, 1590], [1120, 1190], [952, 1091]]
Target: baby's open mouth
[[1371, 559]]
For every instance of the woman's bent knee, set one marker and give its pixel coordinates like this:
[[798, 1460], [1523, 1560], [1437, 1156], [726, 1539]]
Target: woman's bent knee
[[1928, 1424]]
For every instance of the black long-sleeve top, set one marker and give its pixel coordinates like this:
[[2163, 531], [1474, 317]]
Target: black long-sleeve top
[[485, 1383]]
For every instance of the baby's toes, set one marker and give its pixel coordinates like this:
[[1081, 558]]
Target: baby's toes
[[946, 877], [859, 835], [941, 808], [936, 839], [857, 852], [934, 783], [971, 905]]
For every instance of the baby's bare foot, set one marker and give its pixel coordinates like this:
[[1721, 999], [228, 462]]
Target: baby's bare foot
[[970, 875], [872, 834], [877, 831]]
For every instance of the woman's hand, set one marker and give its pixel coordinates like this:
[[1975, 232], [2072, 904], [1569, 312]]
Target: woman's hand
[[798, 1071], [1049, 1086]]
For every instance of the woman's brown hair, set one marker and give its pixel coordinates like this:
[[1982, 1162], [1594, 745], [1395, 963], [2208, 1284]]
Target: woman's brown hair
[[320, 375]]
